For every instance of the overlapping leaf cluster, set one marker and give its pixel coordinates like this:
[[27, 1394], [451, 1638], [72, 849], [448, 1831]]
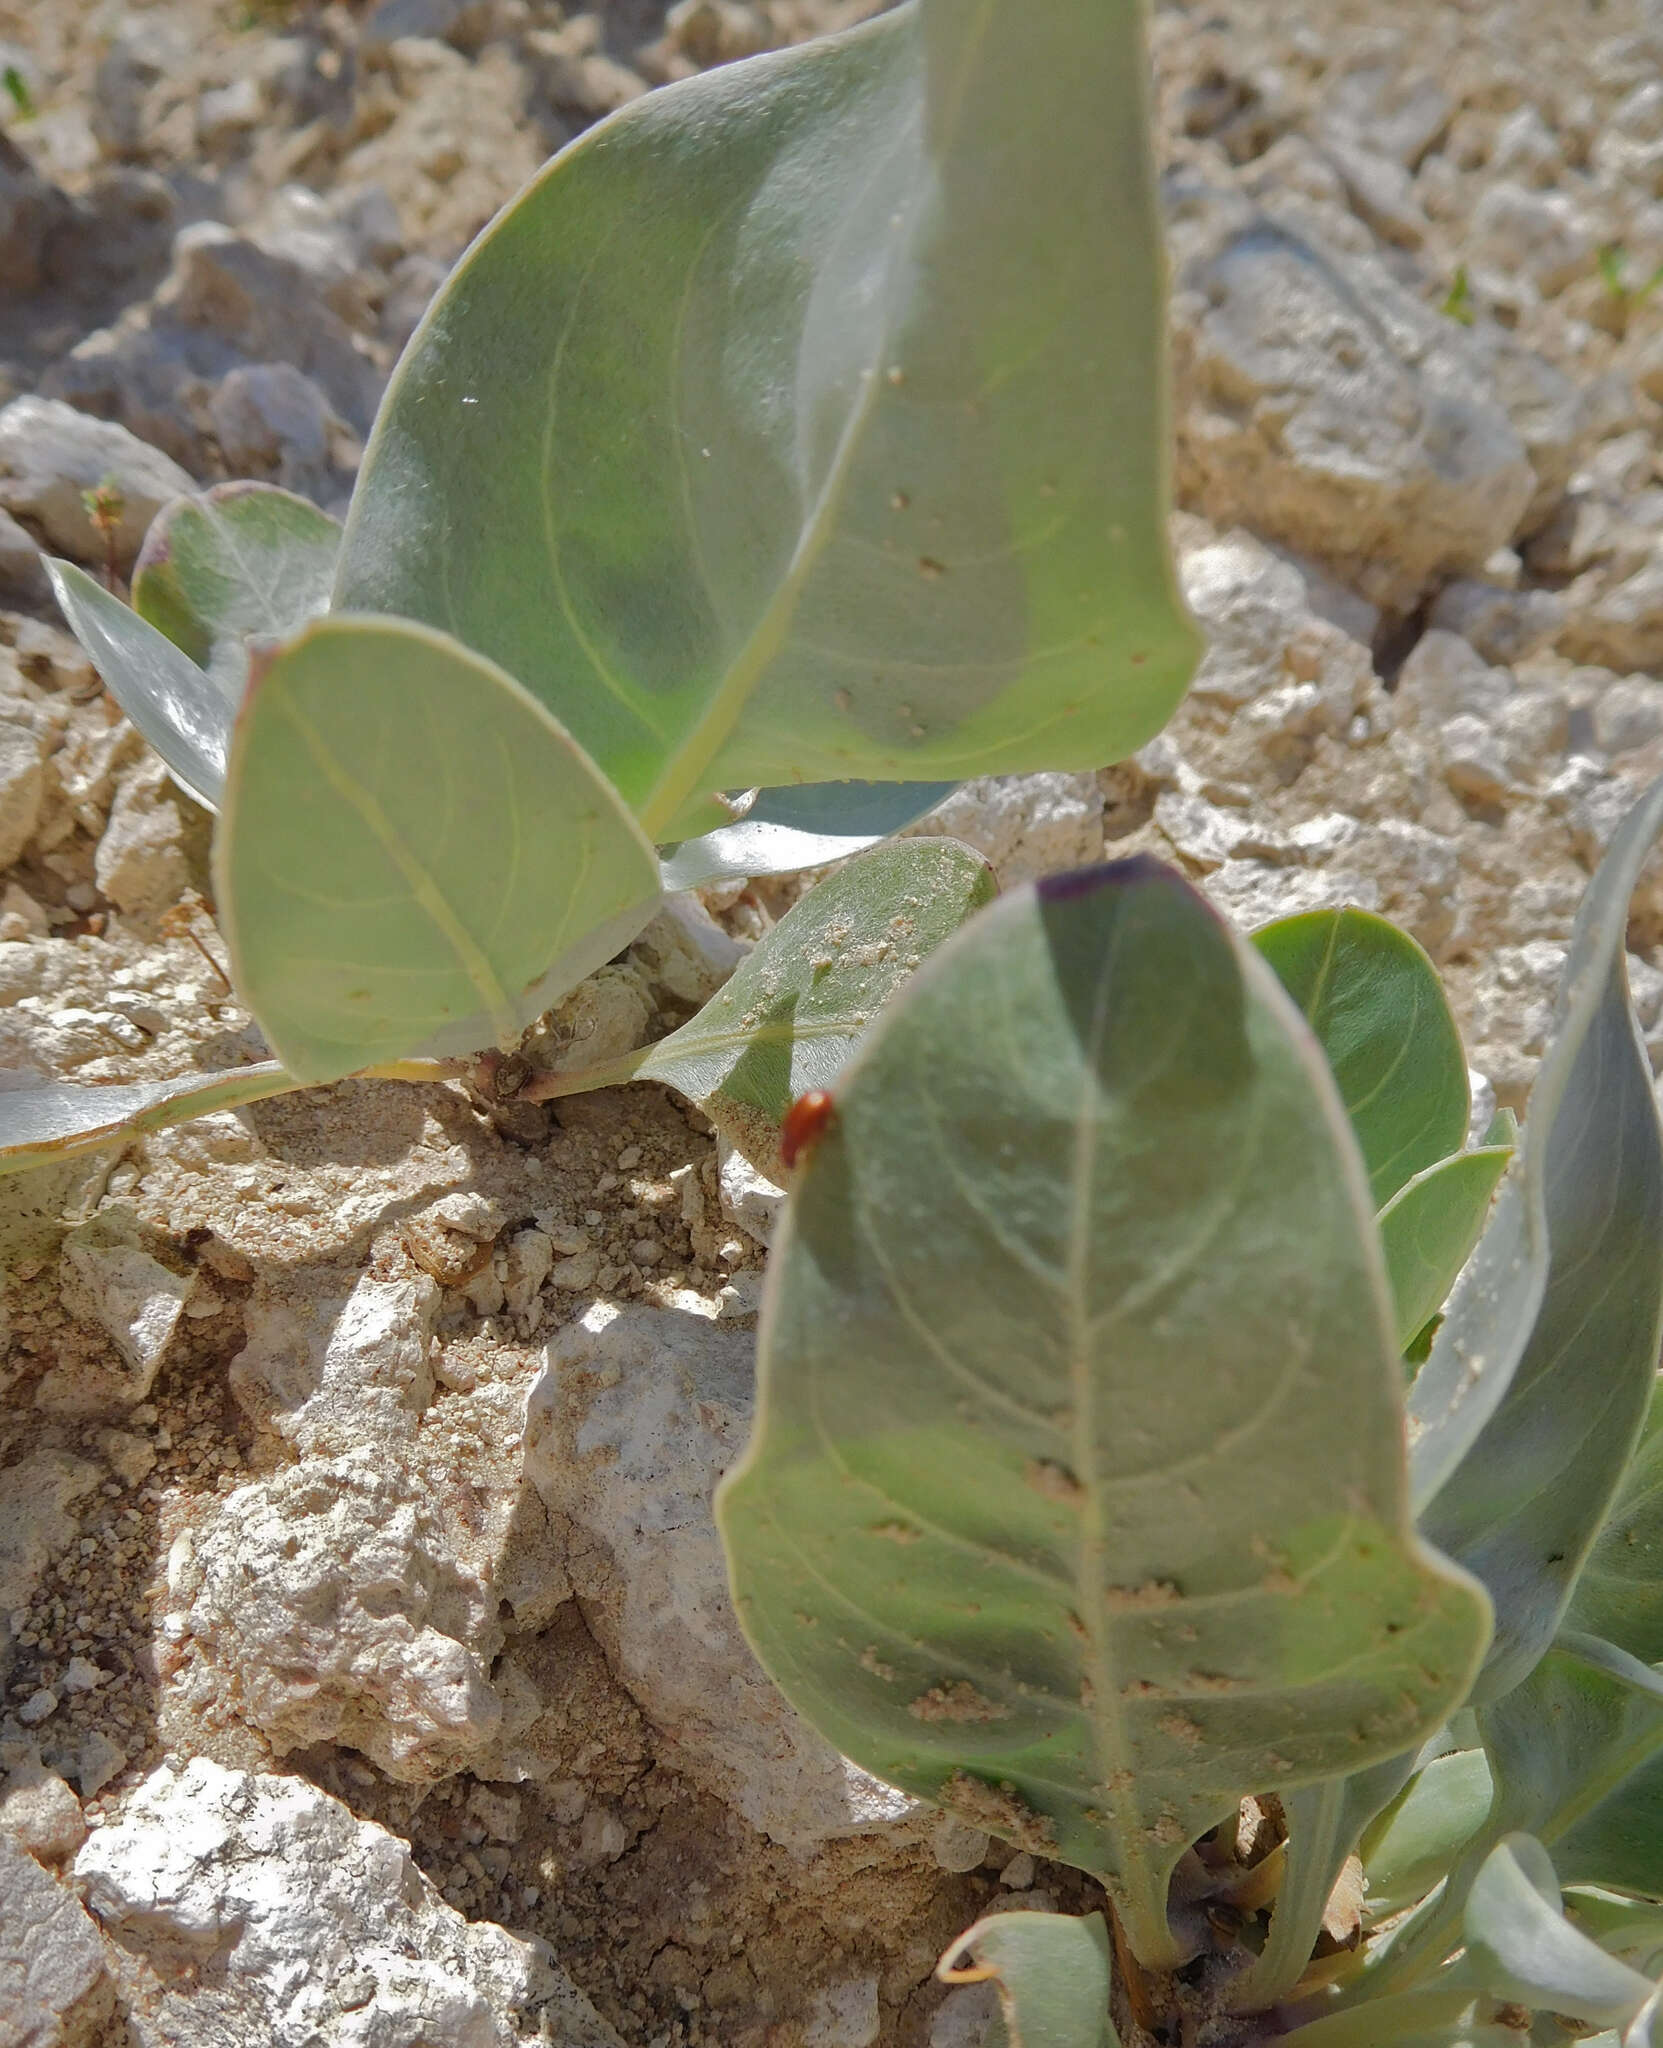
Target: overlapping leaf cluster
[[792, 447], [1099, 1482]]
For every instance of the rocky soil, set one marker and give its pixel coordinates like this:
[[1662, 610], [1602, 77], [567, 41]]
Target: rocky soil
[[367, 1677]]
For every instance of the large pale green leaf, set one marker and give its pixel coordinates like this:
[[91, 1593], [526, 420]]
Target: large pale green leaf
[[1378, 1009], [787, 829], [1076, 1496], [1620, 1593], [1521, 1947], [241, 562], [1630, 1929], [56, 1119], [179, 708], [1430, 1227], [793, 1010], [1052, 1975], [1419, 1838], [413, 857], [806, 420], [1551, 1339]]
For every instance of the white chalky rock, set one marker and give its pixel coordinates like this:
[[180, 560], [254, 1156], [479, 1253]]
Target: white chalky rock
[[306, 1927], [111, 1280], [50, 454], [1543, 236], [1025, 825], [1503, 626], [635, 1417], [1322, 402], [54, 1991], [328, 1370], [330, 1599], [22, 787], [1268, 623], [749, 1200]]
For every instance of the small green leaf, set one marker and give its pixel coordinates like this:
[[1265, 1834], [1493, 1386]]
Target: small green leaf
[[1379, 1011], [1525, 1415], [242, 562], [1418, 1839], [788, 829], [182, 711], [59, 1118], [1430, 1228], [1620, 1593], [1076, 1500], [1051, 1972], [413, 857], [794, 1009], [808, 419], [1630, 1929], [1521, 1947]]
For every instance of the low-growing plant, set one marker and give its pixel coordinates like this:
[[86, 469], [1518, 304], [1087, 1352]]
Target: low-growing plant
[[1624, 294], [1092, 1496], [794, 446]]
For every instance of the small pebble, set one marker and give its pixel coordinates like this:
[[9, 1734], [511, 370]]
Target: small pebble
[[39, 1706]]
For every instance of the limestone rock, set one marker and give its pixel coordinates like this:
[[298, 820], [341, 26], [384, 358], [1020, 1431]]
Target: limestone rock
[[635, 1416], [307, 1927], [335, 1364], [22, 787], [142, 864], [54, 1990], [1025, 825], [40, 1812], [330, 1599], [50, 453], [111, 1280], [1322, 404]]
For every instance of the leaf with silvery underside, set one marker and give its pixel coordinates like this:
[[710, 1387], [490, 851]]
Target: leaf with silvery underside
[[1525, 1416], [1575, 1754], [1052, 1974], [1415, 1842], [240, 562], [1076, 1498], [1620, 1593], [55, 1119], [412, 856], [807, 419], [1430, 1228], [1630, 1929], [788, 829], [1379, 1011], [179, 708], [1521, 1947], [793, 1010]]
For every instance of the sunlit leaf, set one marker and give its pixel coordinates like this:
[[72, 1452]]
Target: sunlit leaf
[[1620, 1593], [413, 857], [1521, 1946], [1076, 1500], [1430, 1227], [55, 1119], [1525, 1415], [1418, 1839], [806, 419], [1379, 1011]]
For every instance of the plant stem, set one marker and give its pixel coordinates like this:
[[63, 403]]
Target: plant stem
[[580, 1080]]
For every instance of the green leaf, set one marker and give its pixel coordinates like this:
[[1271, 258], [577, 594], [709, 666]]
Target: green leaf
[[1551, 1341], [60, 1118], [1418, 1839], [413, 857], [241, 562], [1620, 1593], [1076, 1496], [1630, 1929], [1521, 1947], [1378, 1009], [807, 419], [788, 829], [1430, 1227], [182, 711], [1052, 1975], [794, 1009]]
